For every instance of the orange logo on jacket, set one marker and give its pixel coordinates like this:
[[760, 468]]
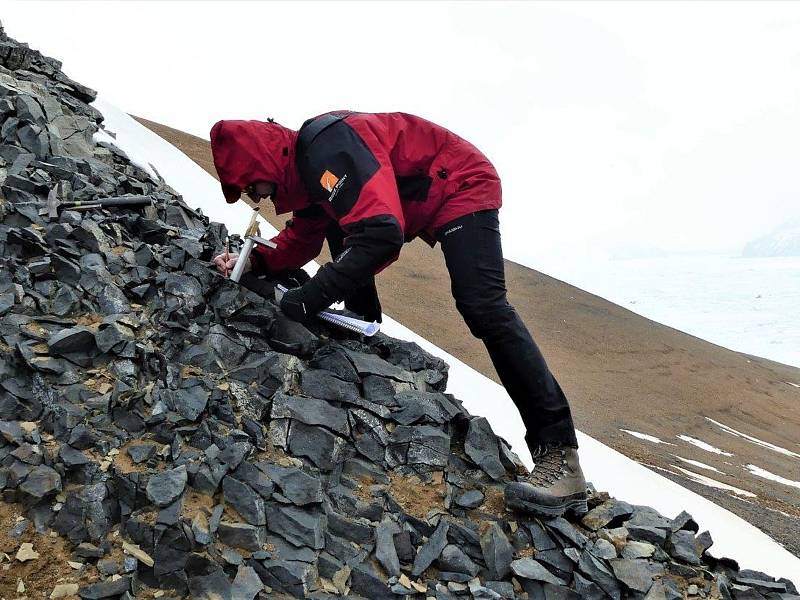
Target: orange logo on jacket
[[328, 180]]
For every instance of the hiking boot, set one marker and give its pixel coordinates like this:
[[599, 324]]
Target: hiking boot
[[556, 484]]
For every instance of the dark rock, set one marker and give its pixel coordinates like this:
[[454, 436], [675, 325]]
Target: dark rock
[[322, 447], [606, 513], [326, 386], [242, 535], [703, 542], [470, 499], [385, 551], [454, 559], [165, 487], [368, 581], [637, 575], [431, 550], [764, 586], [557, 559], [246, 585], [684, 521], [356, 530], [296, 485], [257, 479], [419, 445], [41, 482], [72, 341], [654, 535], [497, 552], [528, 568], [603, 549], [141, 453], [234, 453], [105, 589], [335, 361], [214, 586], [297, 526], [566, 530], [191, 402], [12, 432], [292, 338], [71, 457], [291, 577], [682, 547], [481, 447], [595, 571], [108, 566], [245, 500], [309, 411]]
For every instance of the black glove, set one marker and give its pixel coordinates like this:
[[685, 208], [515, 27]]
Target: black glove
[[291, 279], [303, 303]]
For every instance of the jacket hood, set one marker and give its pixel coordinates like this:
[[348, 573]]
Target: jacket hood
[[249, 151]]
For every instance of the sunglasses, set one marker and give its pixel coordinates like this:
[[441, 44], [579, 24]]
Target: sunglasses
[[250, 190]]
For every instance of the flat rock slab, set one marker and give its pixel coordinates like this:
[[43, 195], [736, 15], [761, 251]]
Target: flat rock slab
[[497, 551], [105, 589], [431, 550], [72, 341], [637, 575], [296, 485], [607, 512], [528, 568], [242, 535], [247, 502], [372, 364], [310, 411], [166, 487], [41, 482], [297, 526]]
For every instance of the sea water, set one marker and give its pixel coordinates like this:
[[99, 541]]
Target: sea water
[[751, 305]]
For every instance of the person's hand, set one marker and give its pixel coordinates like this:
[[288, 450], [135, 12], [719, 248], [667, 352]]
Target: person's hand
[[304, 302], [225, 262], [293, 305]]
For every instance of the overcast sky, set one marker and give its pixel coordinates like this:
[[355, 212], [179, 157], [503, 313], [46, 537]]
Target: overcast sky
[[668, 125]]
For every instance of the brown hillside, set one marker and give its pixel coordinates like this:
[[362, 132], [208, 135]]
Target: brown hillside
[[620, 371]]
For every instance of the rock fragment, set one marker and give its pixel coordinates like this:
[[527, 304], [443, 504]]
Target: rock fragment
[[26, 553], [166, 487]]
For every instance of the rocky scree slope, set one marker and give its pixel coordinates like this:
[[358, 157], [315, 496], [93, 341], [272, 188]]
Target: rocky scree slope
[[173, 430]]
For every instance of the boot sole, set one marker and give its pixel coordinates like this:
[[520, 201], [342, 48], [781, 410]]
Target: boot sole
[[577, 506]]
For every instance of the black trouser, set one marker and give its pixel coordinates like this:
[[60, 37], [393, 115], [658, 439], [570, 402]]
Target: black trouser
[[474, 257], [363, 300]]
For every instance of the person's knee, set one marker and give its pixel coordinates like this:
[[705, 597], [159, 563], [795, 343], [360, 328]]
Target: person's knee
[[483, 315]]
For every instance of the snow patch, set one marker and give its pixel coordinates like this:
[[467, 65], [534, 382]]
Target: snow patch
[[754, 440], [646, 437], [698, 464], [797, 385], [713, 483], [605, 467], [759, 472], [702, 445]]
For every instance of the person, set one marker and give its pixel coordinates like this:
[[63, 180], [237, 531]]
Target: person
[[370, 182]]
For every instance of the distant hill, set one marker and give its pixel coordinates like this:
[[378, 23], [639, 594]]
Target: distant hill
[[783, 241]]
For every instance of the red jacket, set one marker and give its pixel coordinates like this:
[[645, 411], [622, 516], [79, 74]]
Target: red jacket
[[380, 176]]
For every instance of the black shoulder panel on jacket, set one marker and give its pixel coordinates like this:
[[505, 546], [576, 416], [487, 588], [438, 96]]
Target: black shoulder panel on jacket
[[335, 165]]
